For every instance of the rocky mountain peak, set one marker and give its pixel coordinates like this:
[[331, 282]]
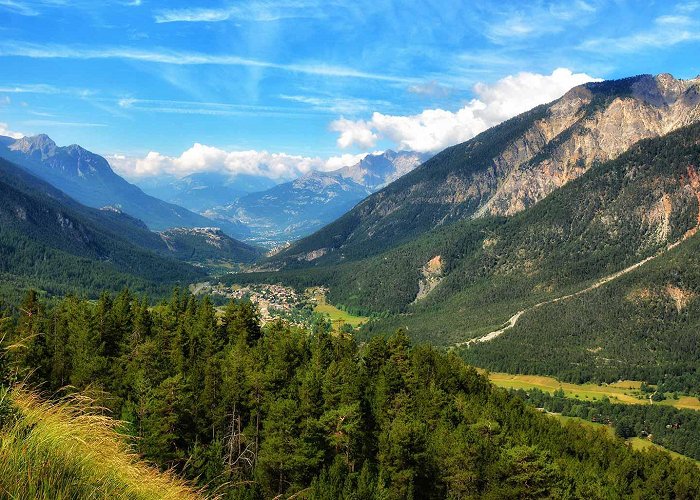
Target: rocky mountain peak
[[514, 165], [662, 89], [41, 145], [376, 170]]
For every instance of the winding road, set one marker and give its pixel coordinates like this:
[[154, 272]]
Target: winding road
[[602, 281]]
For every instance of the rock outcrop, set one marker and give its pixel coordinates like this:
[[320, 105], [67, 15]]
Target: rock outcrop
[[579, 132]]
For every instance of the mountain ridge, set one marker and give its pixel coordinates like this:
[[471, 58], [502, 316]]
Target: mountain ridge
[[510, 166], [89, 179], [303, 205]]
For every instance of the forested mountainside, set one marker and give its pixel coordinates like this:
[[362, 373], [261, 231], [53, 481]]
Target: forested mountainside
[[508, 167], [643, 326], [208, 246], [51, 242], [251, 412], [467, 279], [88, 178]]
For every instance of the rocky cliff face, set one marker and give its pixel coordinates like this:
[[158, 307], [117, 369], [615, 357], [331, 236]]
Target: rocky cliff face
[[581, 129], [377, 170]]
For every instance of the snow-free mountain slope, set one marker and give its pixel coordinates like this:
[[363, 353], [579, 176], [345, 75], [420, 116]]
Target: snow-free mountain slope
[[89, 179], [203, 191], [511, 166], [294, 209], [50, 242], [298, 208]]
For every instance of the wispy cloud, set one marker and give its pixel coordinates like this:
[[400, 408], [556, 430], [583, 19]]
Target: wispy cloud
[[534, 19], [250, 11], [166, 56], [18, 7], [43, 88], [36, 7], [431, 89], [666, 31], [199, 108], [59, 123], [339, 105]]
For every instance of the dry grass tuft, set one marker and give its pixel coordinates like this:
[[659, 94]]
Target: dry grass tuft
[[61, 450]]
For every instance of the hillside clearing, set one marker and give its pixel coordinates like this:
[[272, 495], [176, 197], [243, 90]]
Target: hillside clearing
[[624, 391]]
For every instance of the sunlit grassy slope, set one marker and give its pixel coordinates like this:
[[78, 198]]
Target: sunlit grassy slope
[[337, 316], [58, 451], [626, 391]]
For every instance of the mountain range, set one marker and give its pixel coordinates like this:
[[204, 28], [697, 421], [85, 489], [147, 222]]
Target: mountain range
[[295, 209], [509, 229], [51, 242], [88, 178], [202, 191], [562, 242], [509, 167]]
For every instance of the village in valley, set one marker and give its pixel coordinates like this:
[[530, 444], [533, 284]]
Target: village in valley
[[276, 301]]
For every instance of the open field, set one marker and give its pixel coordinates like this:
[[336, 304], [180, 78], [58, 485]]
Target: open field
[[337, 316], [685, 402], [622, 394], [625, 391], [609, 430], [643, 444]]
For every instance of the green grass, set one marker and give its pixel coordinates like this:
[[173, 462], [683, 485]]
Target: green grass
[[625, 391], [60, 451], [337, 316], [637, 443], [620, 392], [644, 444], [609, 430]]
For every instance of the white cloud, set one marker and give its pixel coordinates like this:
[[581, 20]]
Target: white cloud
[[5, 130], [203, 158], [435, 129], [359, 133], [336, 162]]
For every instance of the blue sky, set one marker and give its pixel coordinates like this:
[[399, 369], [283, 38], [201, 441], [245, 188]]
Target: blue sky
[[280, 87]]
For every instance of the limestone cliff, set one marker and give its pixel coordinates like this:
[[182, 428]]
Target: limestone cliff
[[579, 131]]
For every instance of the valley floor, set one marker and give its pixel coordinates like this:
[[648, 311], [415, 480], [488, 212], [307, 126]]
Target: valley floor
[[625, 391], [636, 443]]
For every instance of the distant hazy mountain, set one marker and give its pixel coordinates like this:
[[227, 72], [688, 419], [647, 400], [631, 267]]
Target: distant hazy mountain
[[88, 178], [294, 209], [204, 190], [298, 208], [379, 169]]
